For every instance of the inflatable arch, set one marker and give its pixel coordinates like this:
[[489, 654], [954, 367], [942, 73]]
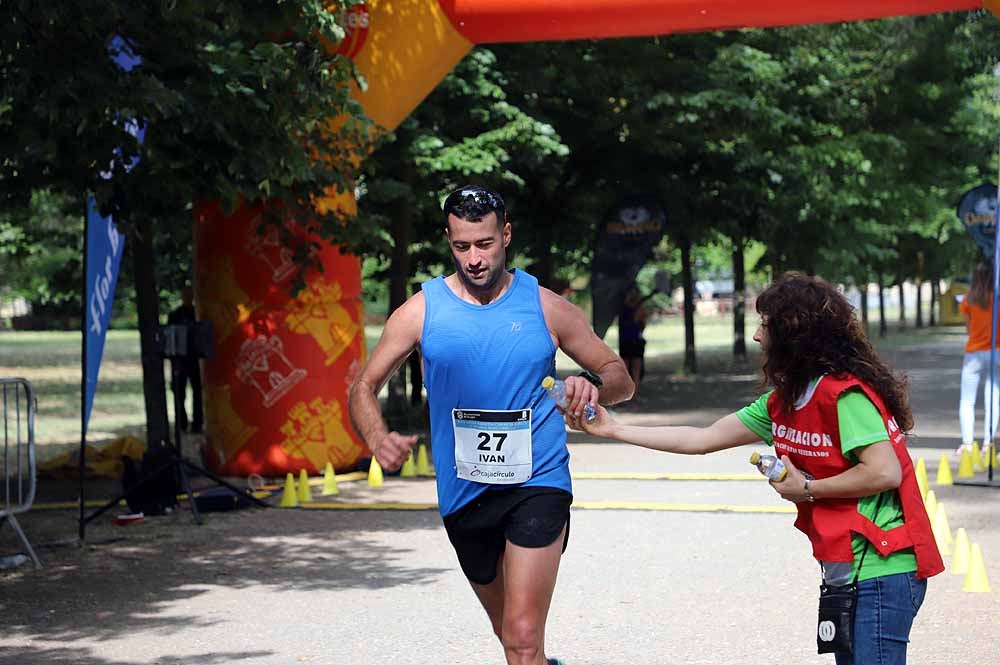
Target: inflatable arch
[[276, 390]]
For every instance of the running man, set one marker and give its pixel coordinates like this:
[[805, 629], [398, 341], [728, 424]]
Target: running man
[[488, 336]]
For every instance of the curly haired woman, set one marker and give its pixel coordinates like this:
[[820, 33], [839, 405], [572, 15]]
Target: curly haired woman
[[836, 415]]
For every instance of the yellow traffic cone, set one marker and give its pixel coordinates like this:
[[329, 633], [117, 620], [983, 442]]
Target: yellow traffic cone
[[965, 465], [942, 517], [921, 473], [977, 457], [944, 471], [940, 529], [288, 497], [960, 558], [409, 469], [375, 474], [305, 493], [329, 481], [976, 580], [930, 502], [990, 457], [424, 467]]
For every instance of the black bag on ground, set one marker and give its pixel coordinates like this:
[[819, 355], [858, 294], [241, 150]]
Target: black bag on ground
[[157, 493]]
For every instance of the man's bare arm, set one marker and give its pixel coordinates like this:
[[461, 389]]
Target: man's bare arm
[[399, 338], [577, 339]]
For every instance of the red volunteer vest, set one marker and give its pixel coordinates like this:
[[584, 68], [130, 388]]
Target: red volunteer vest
[[810, 436]]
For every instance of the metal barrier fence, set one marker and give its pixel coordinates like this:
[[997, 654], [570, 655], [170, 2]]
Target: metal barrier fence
[[17, 464]]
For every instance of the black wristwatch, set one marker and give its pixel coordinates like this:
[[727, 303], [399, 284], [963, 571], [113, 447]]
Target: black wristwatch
[[593, 378]]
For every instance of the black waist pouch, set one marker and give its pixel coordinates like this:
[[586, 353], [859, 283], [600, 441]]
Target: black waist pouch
[[837, 607]]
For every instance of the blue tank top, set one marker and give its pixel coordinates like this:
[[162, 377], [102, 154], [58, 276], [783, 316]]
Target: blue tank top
[[490, 357]]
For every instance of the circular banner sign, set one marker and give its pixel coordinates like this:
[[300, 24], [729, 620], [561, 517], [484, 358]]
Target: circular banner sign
[[356, 22]]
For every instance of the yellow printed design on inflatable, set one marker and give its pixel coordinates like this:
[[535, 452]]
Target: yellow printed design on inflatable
[[278, 381]]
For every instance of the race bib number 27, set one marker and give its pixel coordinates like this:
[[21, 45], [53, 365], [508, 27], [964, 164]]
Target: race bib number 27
[[492, 447]]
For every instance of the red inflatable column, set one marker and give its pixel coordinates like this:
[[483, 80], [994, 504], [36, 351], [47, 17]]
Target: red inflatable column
[[276, 388]]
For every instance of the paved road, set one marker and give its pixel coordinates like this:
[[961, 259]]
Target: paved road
[[360, 587]]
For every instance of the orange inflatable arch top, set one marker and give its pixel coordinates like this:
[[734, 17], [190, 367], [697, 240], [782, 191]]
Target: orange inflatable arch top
[[276, 390]]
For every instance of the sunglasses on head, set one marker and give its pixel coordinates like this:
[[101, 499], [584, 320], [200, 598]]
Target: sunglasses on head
[[479, 195]]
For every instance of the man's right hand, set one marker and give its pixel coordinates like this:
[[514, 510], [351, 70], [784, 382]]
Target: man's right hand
[[394, 449]]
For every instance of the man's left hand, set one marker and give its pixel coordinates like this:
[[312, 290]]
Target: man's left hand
[[793, 487]]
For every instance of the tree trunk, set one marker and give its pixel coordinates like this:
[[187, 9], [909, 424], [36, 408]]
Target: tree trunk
[[416, 369], [902, 307], [920, 289], [399, 281], [543, 267], [932, 320], [920, 308], [882, 327], [690, 361], [863, 288], [147, 304], [739, 299]]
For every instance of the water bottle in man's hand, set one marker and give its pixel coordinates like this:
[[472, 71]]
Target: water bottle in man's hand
[[557, 391]]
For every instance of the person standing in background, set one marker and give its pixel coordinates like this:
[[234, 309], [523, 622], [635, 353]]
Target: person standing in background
[[631, 343], [187, 369], [977, 308]]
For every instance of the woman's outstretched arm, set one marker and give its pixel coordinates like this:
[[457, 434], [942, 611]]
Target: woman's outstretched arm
[[727, 432]]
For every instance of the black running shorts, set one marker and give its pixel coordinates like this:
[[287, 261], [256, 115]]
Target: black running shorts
[[526, 516]]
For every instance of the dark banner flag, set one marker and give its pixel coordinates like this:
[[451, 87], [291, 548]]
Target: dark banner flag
[[978, 211], [624, 244]]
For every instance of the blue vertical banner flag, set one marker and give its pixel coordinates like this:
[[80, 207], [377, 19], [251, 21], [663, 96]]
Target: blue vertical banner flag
[[103, 247], [104, 256]]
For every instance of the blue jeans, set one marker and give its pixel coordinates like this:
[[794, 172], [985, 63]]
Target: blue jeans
[[886, 608]]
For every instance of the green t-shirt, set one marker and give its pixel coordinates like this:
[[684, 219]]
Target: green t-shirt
[[860, 425]]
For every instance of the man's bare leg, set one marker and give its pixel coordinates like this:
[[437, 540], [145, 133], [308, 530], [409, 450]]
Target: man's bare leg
[[519, 607], [529, 580], [491, 597]]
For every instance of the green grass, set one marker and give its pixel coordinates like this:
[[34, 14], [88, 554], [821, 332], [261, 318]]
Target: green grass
[[51, 362]]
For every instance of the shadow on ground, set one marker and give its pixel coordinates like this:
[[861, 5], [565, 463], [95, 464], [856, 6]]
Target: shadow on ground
[[77, 656], [136, 578]]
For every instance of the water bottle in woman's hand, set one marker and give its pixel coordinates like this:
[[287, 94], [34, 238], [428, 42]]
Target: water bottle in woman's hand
[[557, 391], [770, 466]]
